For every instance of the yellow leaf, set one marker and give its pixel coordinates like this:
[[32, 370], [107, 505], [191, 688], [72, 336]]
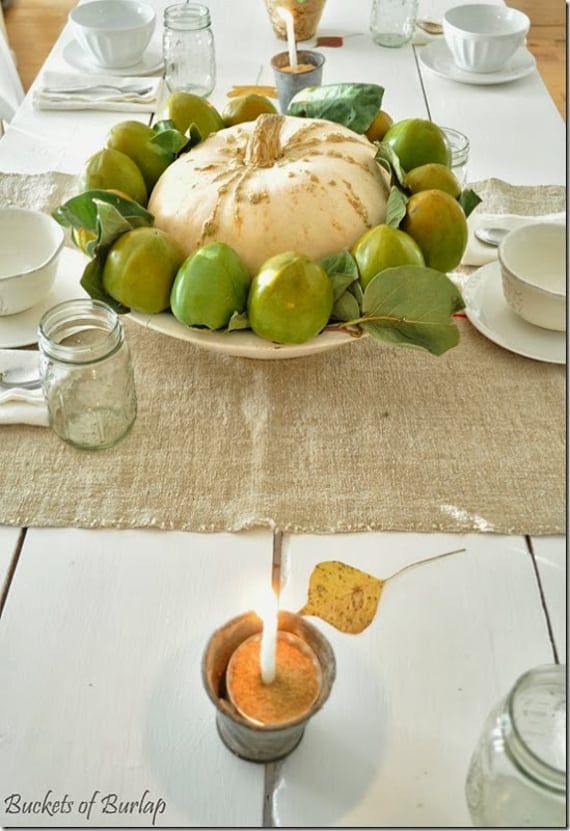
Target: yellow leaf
[[343, 596], [348, 598], [268, 91]]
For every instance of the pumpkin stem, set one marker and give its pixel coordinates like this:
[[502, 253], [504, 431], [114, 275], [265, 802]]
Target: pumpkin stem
[[264, 145]]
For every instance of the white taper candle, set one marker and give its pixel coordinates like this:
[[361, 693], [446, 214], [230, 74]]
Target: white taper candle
[[289, 23], [268, 646]]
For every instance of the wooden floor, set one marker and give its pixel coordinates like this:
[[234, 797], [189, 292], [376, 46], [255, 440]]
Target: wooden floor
[[33, 26]]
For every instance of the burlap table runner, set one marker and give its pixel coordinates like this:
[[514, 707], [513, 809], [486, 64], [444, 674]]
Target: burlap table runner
[[366, 437]]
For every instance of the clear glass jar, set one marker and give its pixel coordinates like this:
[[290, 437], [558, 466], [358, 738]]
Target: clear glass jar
[[459, 147], [188, 49], [87, 374], [517, 775], [392, 22]]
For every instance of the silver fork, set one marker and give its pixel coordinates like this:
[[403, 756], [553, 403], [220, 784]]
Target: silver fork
[[133, 89]]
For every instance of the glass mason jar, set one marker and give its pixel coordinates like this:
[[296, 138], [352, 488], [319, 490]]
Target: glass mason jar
[[188, 49], [392, 22], [87, 374], [517, 775], [459, 148]]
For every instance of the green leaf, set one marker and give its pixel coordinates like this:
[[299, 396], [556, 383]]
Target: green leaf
[[340, 284], [469, 200], [194, 135], [107, 215], [111, 224], [237, 321], [163, 125], [170, 143], [412, 306], [168, 138], [389, 159], [343, 273], [356, 290], [341, 263], [353, 105], [346, 308], [92, 282], [396, 207], [82, 211]]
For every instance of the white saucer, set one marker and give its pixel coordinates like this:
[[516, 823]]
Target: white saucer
[[151, 62], [22, 329], [437, 58], [487, 309]]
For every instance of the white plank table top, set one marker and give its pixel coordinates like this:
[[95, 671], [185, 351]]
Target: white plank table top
[[102, 632], [392, 745], [8, 544], [501, 143], [551, 560], [100, 648]]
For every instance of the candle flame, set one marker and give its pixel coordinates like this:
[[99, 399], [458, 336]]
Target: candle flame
[[268, 611]]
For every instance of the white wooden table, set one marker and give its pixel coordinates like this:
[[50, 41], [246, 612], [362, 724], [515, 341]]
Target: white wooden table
[[102, 631]]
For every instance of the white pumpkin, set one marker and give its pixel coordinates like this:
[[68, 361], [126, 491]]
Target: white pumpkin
[[277, 184]]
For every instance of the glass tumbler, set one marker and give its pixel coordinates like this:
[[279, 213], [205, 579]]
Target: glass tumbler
[[392, 22], [517, 775], [86, 374], [188, 49]]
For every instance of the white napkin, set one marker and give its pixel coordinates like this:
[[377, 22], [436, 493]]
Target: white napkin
[[20, 406], [48, 93], [477, 253]]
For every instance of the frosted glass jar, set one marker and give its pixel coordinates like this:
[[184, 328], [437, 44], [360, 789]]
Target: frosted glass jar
[[86, 374], [517, 776]]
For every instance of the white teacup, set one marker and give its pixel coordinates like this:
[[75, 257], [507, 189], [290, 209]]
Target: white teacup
[[115, 33], [534, 272], [482, 37]]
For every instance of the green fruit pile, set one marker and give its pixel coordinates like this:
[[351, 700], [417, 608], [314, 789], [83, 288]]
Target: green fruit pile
[[292, 297]]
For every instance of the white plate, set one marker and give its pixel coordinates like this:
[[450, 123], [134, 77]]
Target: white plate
[[487, 309], [243, 343], [437, 57], [22, 329], [151, 62]]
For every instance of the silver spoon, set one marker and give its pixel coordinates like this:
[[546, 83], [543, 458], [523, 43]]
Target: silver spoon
[[491, 236], [20, 378]]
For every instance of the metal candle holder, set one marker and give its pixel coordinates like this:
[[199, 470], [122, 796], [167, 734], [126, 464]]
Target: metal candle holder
[[290, 83], [247, 738]]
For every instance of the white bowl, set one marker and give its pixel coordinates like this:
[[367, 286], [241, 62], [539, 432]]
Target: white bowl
[[481, 37], [533, 269], [114, 33], [30, 243]]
